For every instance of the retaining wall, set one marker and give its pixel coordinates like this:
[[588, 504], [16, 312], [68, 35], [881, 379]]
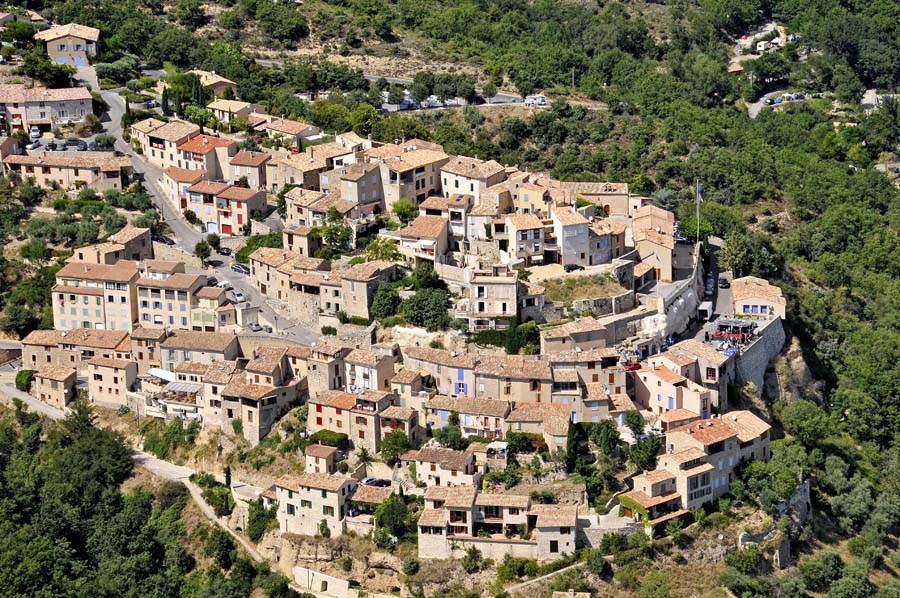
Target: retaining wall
[[752, 362]]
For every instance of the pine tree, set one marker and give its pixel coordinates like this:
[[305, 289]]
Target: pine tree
[[165, 100]]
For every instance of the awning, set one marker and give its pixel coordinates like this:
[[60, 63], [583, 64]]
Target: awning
[[182, 387], [164, 374]]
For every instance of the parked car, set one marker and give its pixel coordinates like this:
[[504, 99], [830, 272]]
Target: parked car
[[769, 101], [254, 327], [240, 268], [223, 251], [33, 145], [267, 328], [238, 296], [81, 146], [224, 284], [52, 146], [35, 132], [211, 281], [164, 240], [375, 482], [573, 268], [92, 146], [536, 100], [723, 283], [73, 142]]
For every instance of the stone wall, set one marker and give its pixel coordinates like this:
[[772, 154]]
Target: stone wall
[[358, 337], [258, 228], [173, 253], [487, 250], [309, 580], [496, 549], [752, 362], [602, 306]]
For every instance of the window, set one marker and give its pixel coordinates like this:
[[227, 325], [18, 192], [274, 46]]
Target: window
[[554, 546], [565, 531], [290, 509]]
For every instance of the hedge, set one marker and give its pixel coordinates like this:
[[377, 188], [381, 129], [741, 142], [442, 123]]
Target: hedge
[[23, 380], [629, 503], [329, 438], [359, 321]]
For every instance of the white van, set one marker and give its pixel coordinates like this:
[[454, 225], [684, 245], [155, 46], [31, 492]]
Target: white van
[[536, 100], [224, 284]]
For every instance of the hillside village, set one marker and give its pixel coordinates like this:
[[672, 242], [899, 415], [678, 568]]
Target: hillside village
[[441, 320], [603, 281]]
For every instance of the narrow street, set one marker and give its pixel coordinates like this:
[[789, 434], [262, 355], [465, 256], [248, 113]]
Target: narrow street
[[187, 236]]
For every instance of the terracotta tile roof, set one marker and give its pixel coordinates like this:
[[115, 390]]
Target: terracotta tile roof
[[524, 221], [397, 412], [104, 161], [440, 357], [299, 351], [83, 337], [299, 162], [364, 357], [210, 293], [208, 187], [513, 366], [472, 168], [110, 362], [537, 412], [220, 372], [248, 390], [179, 281], [235, 193], [569, 217], [228, 105], [652, 236], [60, 374], [502, 500], [751, 287], [174, 131], [328, 348], [303, 197], [208, 79], [366, 271], [93, 291], [319, 481], [685, 455], [334, 398], [433, 518], [21, 94], [555, 515], [656, 476], [287, 126], [748, 426], [565, 375], [128, 233], [677, 415], [147, 125], [320, 450], [204, 144], [621, 402], [191, 367], [425, 227], [272, 256], [655, 212], [595, 391], [406, 376], [646, 501], [701, 350], [326, 151], [185, 175], [216, 342], [445, 457], [355, 172], [72, 29], [250, 159], [678, 358], [372, 495], [667, 375], [266, 359], [708, 431], [121, 271], [148, 333], [470, 406], [459, 497]]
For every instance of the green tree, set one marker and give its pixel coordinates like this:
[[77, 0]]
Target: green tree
[[324, 531], [213, 240], [644, 452], [385, 303], [428, 309], [393, 516], [807, 421], [394, 444], [202, 250], [221, 547], [635, 422], [405, 210], [383, 248]]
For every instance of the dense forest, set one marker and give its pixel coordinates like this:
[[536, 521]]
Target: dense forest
[[67, 529]]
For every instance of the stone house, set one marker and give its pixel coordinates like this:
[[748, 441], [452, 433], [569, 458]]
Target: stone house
[[169, 302], [252, 165], [55, 385], [477, 417], [98, 296], [100, 171], [570, 230], [69, 348], [425, 239], [453, 373], [159, 141], [493, 299], [209, 153], [438, 466], [110, 380], [368, 370], [201, 347], [70, 44], [307, 499], [471, 176], [321, 459]]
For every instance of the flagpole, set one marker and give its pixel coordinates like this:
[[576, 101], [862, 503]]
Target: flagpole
[[697, 192]]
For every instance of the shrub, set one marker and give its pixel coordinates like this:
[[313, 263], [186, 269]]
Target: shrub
[[359, 321], [329, 331], [343, 467], [471, 561], [410, 566], [327, 437], [23, 380], [259, 519], [347, 564], [342, 317], [220, 546], [238, 426]]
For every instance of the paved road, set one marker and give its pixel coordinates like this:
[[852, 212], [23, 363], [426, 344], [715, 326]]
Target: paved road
[[500, 98], [187, 236], [754, 108]]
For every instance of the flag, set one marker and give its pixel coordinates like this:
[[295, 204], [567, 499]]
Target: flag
[[657, 258], [699, 192]]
